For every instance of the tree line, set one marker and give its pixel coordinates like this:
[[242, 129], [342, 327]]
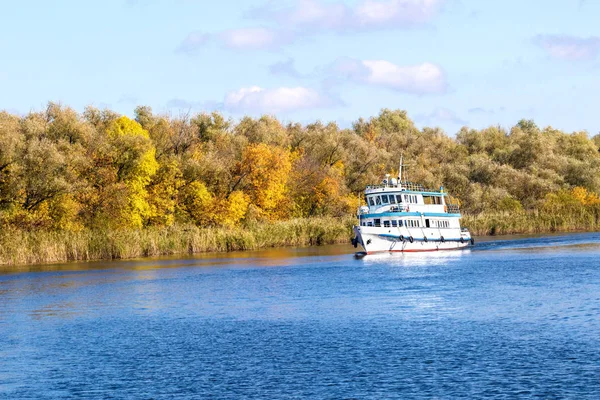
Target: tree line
[[69, 171]]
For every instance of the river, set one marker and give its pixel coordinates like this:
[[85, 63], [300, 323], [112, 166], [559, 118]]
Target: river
[[513, 317]]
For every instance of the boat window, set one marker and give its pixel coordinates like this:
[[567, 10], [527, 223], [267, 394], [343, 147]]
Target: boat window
[[378, 200], [369, 223], [427, 223], [392, 199], [371, 201], [377, 222], [409, 198], [394, 223], [432, 200], [384, 199], [386, 224], [400, 223], [399, 198]]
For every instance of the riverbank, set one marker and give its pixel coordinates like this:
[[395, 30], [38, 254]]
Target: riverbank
[[533, 221], [43, 247]]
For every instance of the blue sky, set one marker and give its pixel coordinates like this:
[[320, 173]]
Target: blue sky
[[449, 63]]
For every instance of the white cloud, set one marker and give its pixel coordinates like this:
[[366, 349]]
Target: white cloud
[[396, 12], [425, 78], [238, 39], [251, 38], [569, 47], [282, 99], [316, 14], [366, 15], [422, 78], [307, 17]]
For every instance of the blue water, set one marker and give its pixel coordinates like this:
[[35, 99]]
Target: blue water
[[512, 318]]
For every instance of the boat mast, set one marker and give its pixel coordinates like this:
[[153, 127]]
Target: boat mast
[[400, 169]]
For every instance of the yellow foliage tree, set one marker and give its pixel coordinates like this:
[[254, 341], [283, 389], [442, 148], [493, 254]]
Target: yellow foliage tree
[[585, 197], [267, 169], [163, 191], [198, 203], [231, 210], [136, 165]]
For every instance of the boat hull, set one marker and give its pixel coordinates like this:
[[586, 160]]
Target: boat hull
[[383, 240]]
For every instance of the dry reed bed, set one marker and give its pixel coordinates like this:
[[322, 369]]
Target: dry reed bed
[[35, 247], [43, 247]]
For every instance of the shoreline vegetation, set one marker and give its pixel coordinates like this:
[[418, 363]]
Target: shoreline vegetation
[[43, 247], [100, 185]]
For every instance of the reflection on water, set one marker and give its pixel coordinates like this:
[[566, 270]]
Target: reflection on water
[[513, 316], [416, 259], [62, 310]]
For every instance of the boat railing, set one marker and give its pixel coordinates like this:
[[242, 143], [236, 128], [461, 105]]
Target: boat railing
[[416, 187], [453, 208]]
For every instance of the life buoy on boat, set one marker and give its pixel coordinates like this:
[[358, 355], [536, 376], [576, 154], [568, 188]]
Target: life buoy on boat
[[402, 238], [425, 239], [442, 239], [462, 239], [411, 239]]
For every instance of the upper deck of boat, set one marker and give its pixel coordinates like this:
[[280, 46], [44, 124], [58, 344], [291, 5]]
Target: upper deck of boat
[[410, 187]]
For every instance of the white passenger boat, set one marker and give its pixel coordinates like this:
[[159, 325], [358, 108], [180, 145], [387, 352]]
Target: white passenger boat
[[404, 217]]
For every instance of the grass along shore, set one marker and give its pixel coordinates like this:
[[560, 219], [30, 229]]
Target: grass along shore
[[524, 222], [44, 247]]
